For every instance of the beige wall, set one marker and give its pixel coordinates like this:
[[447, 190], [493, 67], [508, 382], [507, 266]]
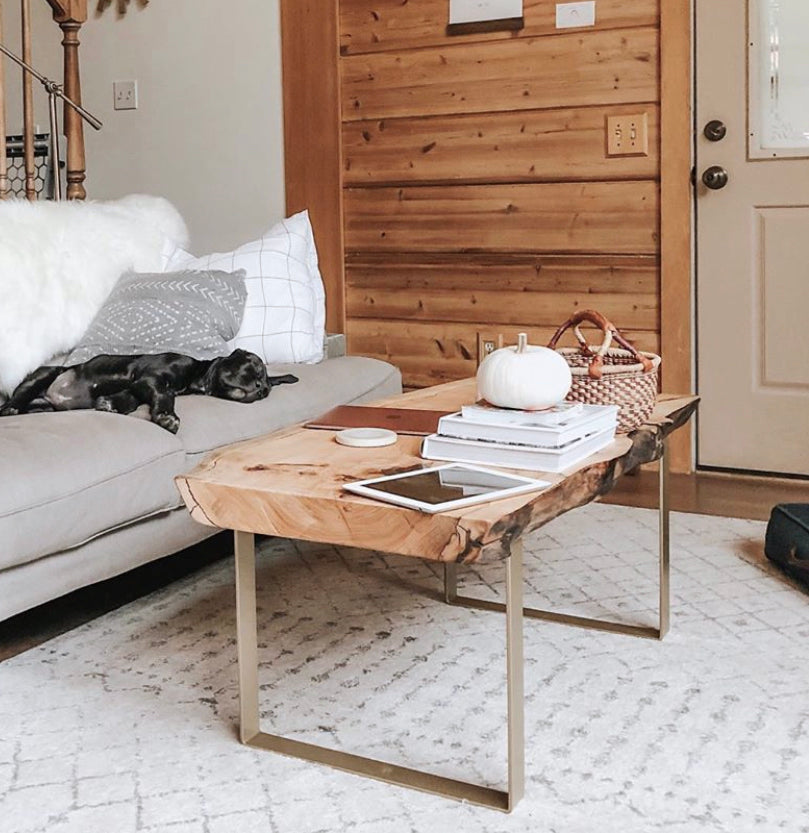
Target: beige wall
[[208, 133]]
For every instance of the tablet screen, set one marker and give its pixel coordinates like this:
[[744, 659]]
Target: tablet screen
[[445, 484]]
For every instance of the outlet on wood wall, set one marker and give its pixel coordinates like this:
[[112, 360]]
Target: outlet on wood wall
[[477, 190]]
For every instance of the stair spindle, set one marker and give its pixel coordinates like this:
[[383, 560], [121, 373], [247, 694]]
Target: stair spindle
[[4, 184], [28, 105]]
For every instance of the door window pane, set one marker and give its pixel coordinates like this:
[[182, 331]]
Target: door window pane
[[779, 75]]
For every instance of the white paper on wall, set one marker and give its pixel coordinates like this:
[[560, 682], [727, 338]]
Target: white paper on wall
[[571, 15], [473, 11]]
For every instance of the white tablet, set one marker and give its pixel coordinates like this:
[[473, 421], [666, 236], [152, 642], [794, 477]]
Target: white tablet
[[440, 488]]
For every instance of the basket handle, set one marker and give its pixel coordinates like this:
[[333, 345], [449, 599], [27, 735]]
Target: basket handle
[[610, 332]]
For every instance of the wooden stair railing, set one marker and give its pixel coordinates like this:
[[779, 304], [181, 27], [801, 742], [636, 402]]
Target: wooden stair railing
[[70, 15], [28, 104], [4, 186]]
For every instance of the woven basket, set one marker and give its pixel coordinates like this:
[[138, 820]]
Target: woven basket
[[609, 375]]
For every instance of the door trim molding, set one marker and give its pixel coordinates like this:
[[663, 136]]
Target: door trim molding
[[676, 213], [313, 136]]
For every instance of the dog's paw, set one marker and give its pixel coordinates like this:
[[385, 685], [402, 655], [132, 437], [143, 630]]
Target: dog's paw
[[8, 410], [104, 403], [171, 422]]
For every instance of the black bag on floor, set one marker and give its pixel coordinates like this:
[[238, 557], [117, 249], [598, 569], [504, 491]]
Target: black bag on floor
[[787, 541]]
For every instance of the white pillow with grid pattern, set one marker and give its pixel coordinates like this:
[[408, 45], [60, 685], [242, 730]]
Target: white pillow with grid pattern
[[285, 315]]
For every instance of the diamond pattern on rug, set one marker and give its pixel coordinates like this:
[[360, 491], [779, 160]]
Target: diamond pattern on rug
[[129, 722]]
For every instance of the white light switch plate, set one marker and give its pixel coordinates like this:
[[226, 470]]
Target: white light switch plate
[[125, 95], [570, 15], [474, 11]]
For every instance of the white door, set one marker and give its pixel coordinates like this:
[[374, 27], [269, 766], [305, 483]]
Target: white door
[[753, 234]]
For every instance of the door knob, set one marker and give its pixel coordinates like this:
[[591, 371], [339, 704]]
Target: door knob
[[715, 131], [715, 178]]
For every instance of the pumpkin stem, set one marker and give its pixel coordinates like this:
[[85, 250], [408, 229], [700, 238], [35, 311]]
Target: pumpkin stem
[[522, 342]]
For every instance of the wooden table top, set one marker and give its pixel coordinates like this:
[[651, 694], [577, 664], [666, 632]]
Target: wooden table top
[[289, 484]]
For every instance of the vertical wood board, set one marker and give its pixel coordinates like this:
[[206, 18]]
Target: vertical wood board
[[676, 216], [312, 150]]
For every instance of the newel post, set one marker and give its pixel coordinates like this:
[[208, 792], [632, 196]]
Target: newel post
[[70, 22]]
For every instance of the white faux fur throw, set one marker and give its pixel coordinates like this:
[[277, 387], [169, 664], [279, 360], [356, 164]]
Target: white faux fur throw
[[60, 260]]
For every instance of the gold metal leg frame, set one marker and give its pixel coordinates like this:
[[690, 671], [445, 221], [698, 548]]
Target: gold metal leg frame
[[250, 732], [451, 583]]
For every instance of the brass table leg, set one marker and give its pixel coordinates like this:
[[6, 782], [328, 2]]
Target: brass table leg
[[247, 634], [451, 583], [249, 724]]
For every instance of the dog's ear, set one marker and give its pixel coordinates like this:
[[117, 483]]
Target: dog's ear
[[205, 383]]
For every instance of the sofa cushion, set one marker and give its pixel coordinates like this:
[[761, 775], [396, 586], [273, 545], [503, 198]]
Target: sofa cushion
[[285, 317], [206, 423], [71, 476], [193, 313]]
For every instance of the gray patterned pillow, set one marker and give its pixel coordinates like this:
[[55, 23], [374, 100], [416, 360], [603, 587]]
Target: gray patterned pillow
[[193, 313]]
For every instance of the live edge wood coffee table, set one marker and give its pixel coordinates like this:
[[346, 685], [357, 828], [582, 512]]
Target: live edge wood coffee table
[[289, 483]]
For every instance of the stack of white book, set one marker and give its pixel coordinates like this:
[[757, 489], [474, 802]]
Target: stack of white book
[[551, 440]]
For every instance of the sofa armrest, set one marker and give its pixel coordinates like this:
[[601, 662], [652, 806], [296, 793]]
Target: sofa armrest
[[334, 345]]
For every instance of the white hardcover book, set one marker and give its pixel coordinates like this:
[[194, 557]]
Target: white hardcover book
[[531, 458], [591, 419], [555, 415]]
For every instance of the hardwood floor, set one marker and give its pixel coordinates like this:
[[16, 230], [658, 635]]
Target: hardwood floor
[[712, 493]]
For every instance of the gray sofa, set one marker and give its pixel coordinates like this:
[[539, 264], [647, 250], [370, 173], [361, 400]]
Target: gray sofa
[[86, 495]]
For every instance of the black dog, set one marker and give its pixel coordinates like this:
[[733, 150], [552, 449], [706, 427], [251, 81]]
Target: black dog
[[122, 383]]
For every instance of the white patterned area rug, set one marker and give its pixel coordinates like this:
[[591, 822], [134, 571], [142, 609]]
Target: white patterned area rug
[[129, 722]]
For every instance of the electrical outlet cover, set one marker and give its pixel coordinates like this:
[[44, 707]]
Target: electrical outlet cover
[[488, 343], [474, 11], [571, 15]]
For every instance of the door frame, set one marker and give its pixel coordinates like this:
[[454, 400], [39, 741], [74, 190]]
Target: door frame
[[677, 262], [313, 164]]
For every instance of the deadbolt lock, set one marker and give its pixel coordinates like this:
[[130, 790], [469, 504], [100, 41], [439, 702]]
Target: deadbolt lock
[[715, 131]]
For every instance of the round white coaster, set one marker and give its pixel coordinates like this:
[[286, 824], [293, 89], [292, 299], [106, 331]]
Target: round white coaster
[[366, 437]]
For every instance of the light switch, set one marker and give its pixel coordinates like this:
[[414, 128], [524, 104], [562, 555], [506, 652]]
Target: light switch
[[125, 95], [474, 11], [628, 135], [570, 15]]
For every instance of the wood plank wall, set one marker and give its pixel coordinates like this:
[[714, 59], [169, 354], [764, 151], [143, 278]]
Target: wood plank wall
[[477, 193]]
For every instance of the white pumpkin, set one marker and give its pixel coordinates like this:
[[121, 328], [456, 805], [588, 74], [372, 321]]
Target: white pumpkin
[[525, 377]]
